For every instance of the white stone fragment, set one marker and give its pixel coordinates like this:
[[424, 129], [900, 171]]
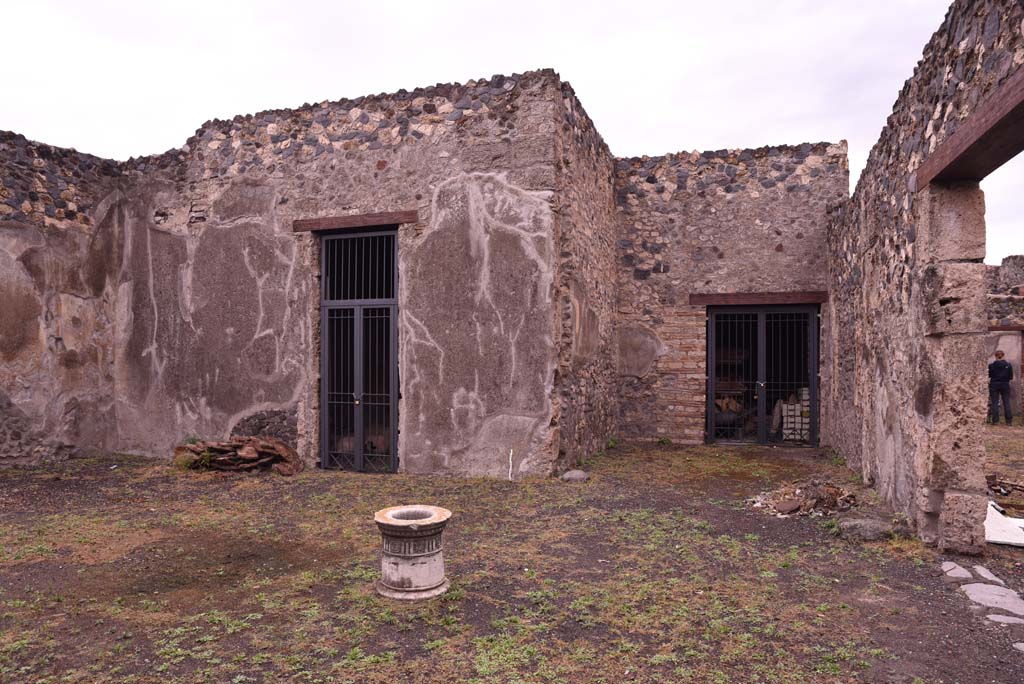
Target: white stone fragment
[[957, 571], [1005, 619], [1019, 646], [1000, 529], [575, 476], [984, 573], [991, 596]]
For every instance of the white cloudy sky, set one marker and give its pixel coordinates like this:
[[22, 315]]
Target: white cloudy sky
[[122, 78]]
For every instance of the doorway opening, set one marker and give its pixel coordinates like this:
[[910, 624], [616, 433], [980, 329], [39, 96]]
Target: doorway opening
[[763, 374], [359, 351]]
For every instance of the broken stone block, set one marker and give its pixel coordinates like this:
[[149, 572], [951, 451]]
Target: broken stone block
[[961, 523], [865, 529], [787, 506]]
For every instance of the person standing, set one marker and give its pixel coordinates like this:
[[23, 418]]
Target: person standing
[[1000, 373]]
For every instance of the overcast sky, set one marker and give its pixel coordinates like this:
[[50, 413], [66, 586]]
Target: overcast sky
[[128, 78]]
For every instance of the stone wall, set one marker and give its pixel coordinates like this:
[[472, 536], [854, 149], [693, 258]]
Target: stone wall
[[476, 160], [728, 221], [906, 400], [586, 381], [1005, 305], [1010, 273], [59, 211], [281, 423], [211, 318], [1006, 310]]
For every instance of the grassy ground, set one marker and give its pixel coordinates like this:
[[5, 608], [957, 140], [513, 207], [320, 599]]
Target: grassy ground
[[126, 570], [1004, 455]]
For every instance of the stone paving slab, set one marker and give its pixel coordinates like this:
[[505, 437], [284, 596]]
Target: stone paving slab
[[993, 596], [985, 573], [1005, 619], [956, 571]]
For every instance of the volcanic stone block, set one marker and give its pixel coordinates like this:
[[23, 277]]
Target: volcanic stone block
[[955, 298], [953, 222], [961, 526]]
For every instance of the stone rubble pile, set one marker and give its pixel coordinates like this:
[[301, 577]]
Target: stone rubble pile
[[1002, 486], [239, 454], [809, 497]]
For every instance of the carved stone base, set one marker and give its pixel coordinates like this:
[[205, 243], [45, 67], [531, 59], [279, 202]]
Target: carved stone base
[[412, 595]]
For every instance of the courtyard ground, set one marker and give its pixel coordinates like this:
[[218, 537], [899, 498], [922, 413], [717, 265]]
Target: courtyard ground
[[124, 569], [1004, 456]]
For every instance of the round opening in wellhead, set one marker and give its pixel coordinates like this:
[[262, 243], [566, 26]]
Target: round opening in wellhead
[[412, 514]]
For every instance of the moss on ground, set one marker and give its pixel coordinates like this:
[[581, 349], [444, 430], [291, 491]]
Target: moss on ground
[[653, 571]]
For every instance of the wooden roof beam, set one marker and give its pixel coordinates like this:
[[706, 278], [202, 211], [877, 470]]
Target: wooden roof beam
[[758, 298], [385, 218], [989, 138]]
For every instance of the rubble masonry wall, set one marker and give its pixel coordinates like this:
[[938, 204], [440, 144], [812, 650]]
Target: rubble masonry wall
[[906, 400], [586, 382], [1006, 292], [729, 221]]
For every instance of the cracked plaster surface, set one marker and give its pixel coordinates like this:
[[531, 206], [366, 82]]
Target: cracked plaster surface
[[210, 316], [477, 354]]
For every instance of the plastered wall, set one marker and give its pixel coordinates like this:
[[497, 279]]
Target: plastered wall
[[60, 212], [198, 305]]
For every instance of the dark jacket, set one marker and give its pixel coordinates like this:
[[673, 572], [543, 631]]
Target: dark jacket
[[1000, 371]]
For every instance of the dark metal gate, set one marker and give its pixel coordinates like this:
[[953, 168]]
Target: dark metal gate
[[763, 374], [359, 352]]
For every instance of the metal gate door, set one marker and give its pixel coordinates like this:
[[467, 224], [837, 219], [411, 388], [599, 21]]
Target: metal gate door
[[359, 361], [763, 374]]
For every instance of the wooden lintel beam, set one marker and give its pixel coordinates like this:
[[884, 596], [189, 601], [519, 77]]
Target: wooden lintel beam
[[758, 298], [990, 137], [384, 218], [1006, 328]]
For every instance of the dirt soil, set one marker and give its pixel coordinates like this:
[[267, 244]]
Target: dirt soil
[[1004, 456], [123, 569]]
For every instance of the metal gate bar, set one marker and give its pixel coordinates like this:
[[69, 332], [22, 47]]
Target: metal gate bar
[[787, 385], [763, 374], [376, 394], [733, 406], [359, 366], [339, 428]]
